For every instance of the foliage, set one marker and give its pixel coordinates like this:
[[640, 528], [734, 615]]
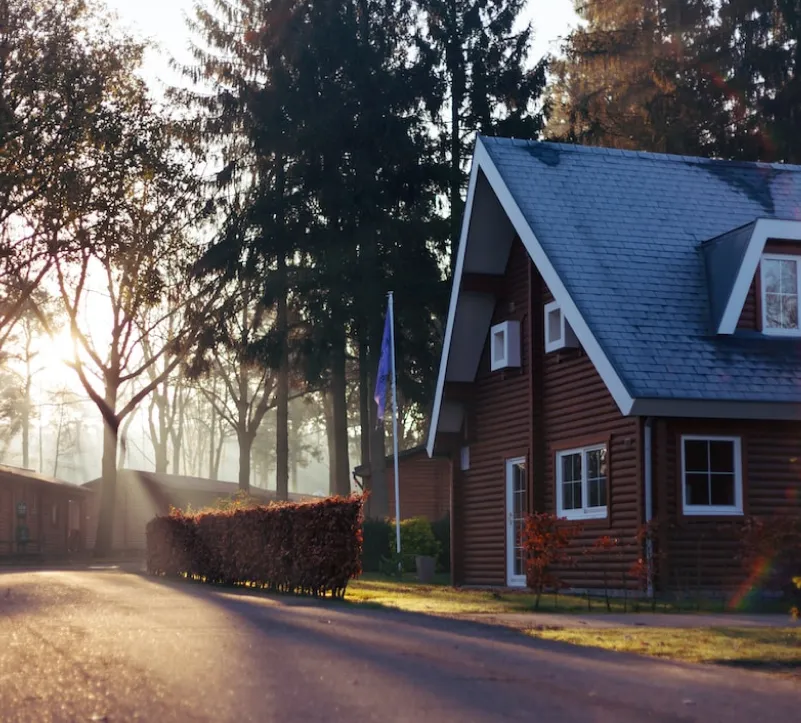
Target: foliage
[[546, 539], [376, 534], [417, 538], [693, 77], [311, 548], [442, 532]]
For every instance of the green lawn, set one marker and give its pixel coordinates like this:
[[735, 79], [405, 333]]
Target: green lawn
[[407, 594], [768, 649]]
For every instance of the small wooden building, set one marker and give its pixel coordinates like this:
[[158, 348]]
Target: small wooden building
[[40, 515], [143, 495], [424, 484]]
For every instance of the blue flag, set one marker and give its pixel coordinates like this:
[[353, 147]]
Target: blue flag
[[383, 369]]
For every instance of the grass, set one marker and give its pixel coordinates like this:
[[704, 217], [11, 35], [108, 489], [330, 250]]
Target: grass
[[768, 649], [407, 594]]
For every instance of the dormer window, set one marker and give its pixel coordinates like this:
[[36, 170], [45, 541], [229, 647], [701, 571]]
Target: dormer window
[[780, 293]]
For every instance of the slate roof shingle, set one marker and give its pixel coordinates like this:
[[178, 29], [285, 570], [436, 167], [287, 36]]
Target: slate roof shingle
[[625, 232]]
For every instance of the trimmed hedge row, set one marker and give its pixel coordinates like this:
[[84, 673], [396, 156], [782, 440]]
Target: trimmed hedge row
[[310, 548]]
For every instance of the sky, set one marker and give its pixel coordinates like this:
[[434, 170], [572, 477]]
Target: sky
[[163, 22]]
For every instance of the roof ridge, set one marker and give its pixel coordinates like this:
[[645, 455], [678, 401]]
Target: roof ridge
[[664, 157]]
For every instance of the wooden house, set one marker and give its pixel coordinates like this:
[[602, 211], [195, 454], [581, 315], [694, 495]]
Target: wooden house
[[623, 345], [39, 515]]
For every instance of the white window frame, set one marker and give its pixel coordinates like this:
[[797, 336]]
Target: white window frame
[[585, 513], [510, 335], [512, 580], [554, 344], [730, 510], [779, 257]]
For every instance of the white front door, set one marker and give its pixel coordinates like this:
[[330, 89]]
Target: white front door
[[516, 505]]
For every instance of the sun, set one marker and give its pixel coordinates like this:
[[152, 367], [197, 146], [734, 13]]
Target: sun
[[53, 355]]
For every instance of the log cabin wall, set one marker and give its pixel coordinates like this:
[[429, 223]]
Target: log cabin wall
[[424, 486], [702, 552], [553, 402]]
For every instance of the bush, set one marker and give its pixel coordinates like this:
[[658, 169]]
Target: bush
[[417, 538], [546, 539], [442, 532], [310, 548], [376, 536]]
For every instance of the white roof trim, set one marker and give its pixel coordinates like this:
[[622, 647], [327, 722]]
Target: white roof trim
[[455, 284], [764, 229], [482, 161]]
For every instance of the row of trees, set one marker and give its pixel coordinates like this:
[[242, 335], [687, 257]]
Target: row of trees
[[239, 242]]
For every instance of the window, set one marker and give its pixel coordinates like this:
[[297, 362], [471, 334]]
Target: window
[[558, 334], [505, 345], [712, 482], [464, 459], [581, 476], [54, 514], [780, 292]]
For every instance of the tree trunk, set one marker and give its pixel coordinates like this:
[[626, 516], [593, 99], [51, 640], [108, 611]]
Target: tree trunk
[[212, 445], [177, 434], [26, 413], [245, 440], [379, 496], [108, 486], [364, 400], [282, 395], [328, 410], [339, 402]]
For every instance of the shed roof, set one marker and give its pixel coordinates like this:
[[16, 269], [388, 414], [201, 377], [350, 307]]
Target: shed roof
[[29, 476]]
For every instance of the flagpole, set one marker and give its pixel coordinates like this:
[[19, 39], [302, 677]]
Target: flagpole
[[391, 312]]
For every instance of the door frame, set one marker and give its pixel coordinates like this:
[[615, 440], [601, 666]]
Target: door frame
[[512, 580]]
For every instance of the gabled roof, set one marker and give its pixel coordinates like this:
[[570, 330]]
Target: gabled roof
[[619, 236], [29, 476]]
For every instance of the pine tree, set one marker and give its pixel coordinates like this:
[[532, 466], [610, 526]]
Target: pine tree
[[480, 65]]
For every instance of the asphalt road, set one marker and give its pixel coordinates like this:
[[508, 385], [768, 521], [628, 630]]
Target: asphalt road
[[101, 645]]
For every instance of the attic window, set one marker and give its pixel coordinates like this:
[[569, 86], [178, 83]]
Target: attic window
[[780, 278], [558, 334], [505, 345]]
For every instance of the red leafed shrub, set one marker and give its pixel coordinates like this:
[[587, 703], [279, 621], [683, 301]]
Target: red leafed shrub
[[311, 548], [546, 539]]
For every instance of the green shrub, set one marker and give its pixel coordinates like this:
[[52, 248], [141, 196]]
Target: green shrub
[[376, 535], [442, 531], [311, 548], [417, 538]]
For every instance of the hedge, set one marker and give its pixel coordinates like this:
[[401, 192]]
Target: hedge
[[310, 548]]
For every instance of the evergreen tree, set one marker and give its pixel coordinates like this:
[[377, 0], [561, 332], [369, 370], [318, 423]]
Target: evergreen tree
[[480, 65], [695, 77]]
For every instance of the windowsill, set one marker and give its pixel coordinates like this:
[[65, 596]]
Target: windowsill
[[786, 333], [575, 515], [707, 511]]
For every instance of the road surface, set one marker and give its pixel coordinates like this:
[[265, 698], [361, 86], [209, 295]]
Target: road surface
[[105, 645]]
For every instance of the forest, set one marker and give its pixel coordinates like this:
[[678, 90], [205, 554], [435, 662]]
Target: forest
[[197, 282]]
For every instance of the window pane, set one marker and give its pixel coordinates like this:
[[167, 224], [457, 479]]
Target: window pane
[[571, 467], [723, 489], [773, 311], [789, 311], [697, 489], [696, 455], [789, 279], [571, 496], [771, 276], [554, 325], [721, 455], [596, 492]]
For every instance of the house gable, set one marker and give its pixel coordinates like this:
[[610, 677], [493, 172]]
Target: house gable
[[492, 219]]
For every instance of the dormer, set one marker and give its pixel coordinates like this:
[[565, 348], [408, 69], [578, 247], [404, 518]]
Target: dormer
[[754, 278]]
